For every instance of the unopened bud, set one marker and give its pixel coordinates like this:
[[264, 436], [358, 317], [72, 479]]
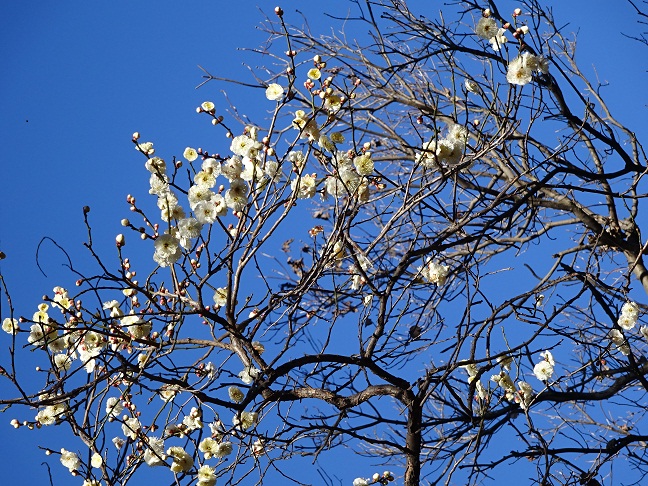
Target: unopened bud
[[120, 240], [125, 222], [136, 136], [279, 11]]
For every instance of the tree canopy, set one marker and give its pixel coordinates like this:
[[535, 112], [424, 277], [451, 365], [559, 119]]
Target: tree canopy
[[426, 250]]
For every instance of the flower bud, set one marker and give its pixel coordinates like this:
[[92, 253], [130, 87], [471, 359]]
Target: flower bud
[[279, 11], [125, 222]]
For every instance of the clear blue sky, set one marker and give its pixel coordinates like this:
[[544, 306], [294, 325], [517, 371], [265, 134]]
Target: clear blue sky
[[80, 77]]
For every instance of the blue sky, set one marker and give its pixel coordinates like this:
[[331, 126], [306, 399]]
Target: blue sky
[[80, 77]]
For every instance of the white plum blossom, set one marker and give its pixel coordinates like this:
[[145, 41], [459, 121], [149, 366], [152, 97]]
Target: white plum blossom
[[206, 476], [245, 420], [70, 460], [232, 168], [235, 394], [113, 407], [363, 164], [274, 92], [498, 40], [211, 166], [206, 212], [629, 316], [619, 341], [167, 250], [205, 179], [182, 461], [10, 325], [249, 374], [242, 145], [524, 395], [155, 165], [130, 427], [305, 186], [154, 454], [220, 296], [96, 460], [543, 371], [190, 154], [434, 272], [486, 28]]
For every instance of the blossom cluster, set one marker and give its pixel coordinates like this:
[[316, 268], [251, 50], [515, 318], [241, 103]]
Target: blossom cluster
[[448, 150], [626, 321]]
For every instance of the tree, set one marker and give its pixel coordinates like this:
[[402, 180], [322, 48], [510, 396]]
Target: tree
[[389, 263]]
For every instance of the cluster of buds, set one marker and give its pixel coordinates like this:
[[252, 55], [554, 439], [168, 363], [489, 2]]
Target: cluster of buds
[[377, 478]]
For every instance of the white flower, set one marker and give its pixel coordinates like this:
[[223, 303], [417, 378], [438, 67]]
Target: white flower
[[235, 394], [305, 186], [251, 170], [61, 298], [205, 179], [274, 92], [206, 476], [167, 250], [62, 362], [248, 375], [245, 420], [518, 72], [543, 371], [182, 461], [70, 460], [498, 39], [190, 154], [360, 482], [193, 421], [525, 394], [114, 407], [486, 27], [207, 106], [314, 74], [130, 427], [206, 212], [232, 168], [223, 449], [10, 325], [434, 272], [363, 164], [168, 392], [242, 145], [258, 447], [189, 228], [49, 414], [154, 454], [644, 332], [137, 327], [212, 166], [159, 184], [548, 357], [220, 297], [629, 316], [96, 460], [155, 165], [619, 341]]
